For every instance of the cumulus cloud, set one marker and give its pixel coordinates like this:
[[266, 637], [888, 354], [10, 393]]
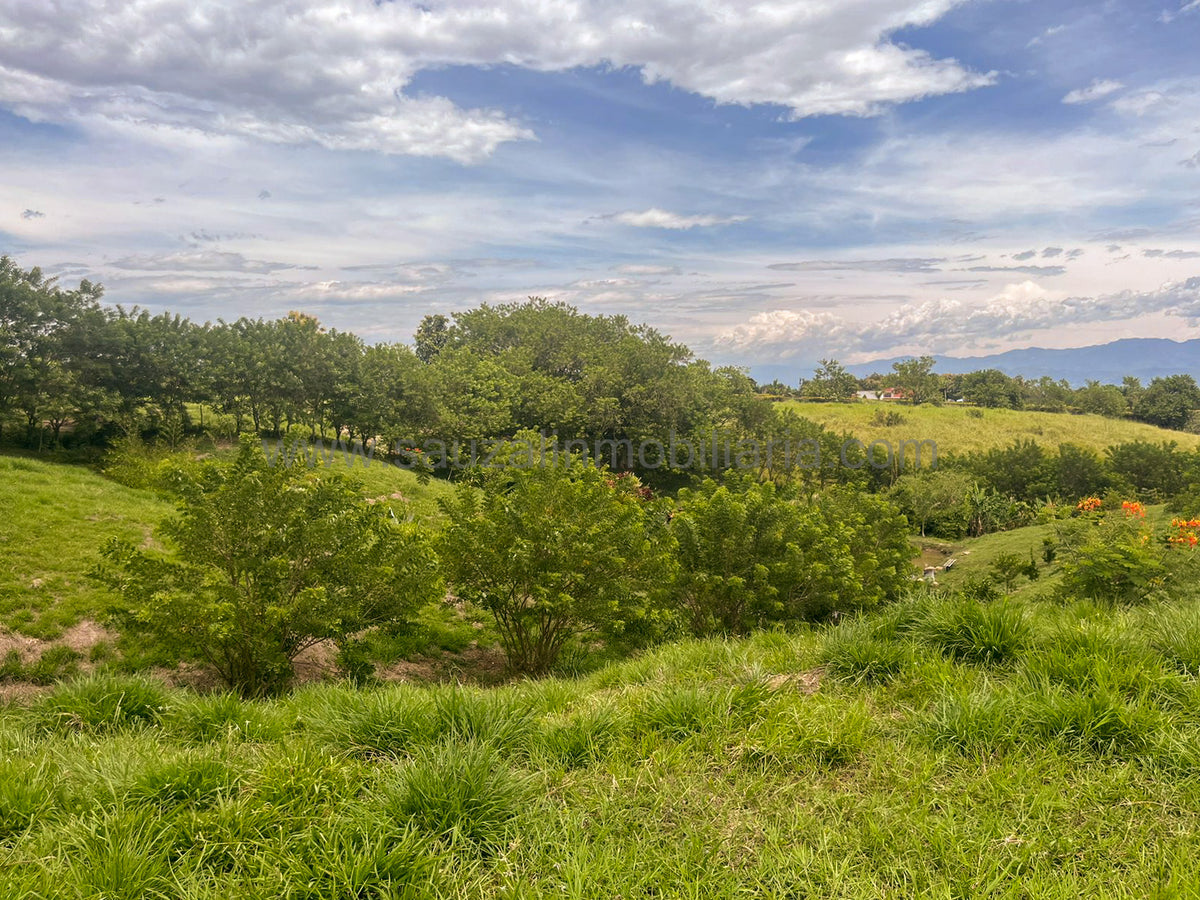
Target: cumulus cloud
[[661, 218], [334, 73], [1018, 308], [1097, 90]]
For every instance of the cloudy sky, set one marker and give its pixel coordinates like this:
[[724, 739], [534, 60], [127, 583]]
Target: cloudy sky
[[768, 182]]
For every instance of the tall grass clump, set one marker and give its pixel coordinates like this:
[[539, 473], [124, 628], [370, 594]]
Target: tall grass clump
[[1089, 655], [1097, 720], [579, 738], [29, 792], [975, 720], [183, 779], [121, 855], [203, 718], [102, 703], [990, 634], [459, 793], [377, 722], [1174, 634], [809, 731], [855, 654], [502, 719], [356, 858]]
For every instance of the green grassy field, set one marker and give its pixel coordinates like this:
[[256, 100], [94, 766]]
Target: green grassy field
[[939, 749], [960, 429]]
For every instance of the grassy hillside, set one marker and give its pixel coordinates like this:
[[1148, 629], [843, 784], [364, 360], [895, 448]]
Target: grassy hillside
[[938, 749], [57, 517], [959, 429]]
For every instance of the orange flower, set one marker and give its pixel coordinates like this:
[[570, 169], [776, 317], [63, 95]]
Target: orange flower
[[1089, 504], [1134, 509]]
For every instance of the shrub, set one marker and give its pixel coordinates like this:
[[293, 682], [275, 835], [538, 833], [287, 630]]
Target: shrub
[[268, 560], [555, 553]]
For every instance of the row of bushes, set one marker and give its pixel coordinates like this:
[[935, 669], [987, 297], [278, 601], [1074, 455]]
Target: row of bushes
[[267, 559]]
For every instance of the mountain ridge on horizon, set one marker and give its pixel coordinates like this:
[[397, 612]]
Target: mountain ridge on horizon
[[1143, 358]]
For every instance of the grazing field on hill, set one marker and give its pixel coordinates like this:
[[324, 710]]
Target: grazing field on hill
[[938, 748], [57, 517], [960, 429]]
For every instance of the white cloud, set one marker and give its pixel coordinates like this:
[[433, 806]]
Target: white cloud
[[661, 218], [942, 323], [1098, 89], [199, 261], [333, 73]]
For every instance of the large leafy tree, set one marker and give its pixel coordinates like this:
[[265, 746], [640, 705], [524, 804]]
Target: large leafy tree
[[557, 553], [915, 376], [830, 381], [1168, 402], [264, 561]]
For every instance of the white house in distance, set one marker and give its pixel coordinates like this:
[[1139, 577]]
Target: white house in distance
[[893, 393]]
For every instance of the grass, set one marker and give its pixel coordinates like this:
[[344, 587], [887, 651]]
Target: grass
[[940, 747], [960, 429], [56, 519]]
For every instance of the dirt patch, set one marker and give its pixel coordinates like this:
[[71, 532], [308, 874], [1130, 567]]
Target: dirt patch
[[28, 648], [85, 635], [474, 665], [807, 683]]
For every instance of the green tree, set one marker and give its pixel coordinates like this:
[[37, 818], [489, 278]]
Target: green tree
[[915, 376], [991, 388], [830, 381], [1168, 402], [556, 553], [937, 498], [1102, 399], [264, 561]]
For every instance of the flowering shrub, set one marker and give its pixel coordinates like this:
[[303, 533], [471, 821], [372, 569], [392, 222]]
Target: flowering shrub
[[1089, 504], [1186, 533], [1133, 509]]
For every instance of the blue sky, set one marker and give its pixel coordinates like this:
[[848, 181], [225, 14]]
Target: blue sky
[[771, 182]]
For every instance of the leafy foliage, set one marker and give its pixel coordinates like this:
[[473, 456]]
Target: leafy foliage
[[556, 553], [265, 561], [752, 554]]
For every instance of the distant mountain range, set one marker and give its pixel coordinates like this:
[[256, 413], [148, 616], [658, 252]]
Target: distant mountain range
[[1144, 358]]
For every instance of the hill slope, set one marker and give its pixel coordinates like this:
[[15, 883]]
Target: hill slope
[[960, 429]]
